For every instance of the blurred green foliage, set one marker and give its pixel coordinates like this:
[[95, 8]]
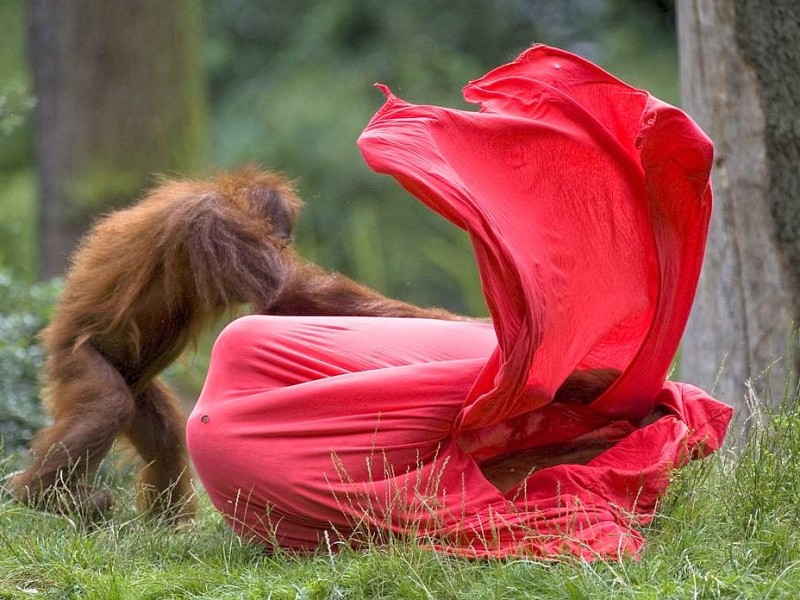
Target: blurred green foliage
[[17, 193], [24, 310]]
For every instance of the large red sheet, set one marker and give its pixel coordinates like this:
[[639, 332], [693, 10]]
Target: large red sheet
[[587, 202]]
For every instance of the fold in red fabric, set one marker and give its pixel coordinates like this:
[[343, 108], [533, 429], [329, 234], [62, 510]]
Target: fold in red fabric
[[587, 202]]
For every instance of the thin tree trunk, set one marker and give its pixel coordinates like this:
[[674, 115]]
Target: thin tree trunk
[[740, 71], [120, 96]]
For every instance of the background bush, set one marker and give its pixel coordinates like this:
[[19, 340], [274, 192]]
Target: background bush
[[24, 310]]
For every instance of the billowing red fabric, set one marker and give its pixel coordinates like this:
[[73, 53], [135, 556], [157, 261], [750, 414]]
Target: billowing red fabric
[[587, 202]]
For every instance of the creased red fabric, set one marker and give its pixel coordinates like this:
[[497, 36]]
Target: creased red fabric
[[587, 202]]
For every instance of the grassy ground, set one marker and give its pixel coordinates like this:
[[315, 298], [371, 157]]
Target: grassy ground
[[730, 528]]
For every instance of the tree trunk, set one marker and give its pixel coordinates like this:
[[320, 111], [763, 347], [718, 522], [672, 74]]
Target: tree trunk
[[120, 96], [740, 71]]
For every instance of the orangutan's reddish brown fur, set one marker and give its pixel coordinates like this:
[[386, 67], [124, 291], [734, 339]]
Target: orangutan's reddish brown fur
[[143, 284]]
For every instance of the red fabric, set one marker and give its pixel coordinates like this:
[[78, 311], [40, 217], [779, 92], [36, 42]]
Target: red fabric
[[587, 202]]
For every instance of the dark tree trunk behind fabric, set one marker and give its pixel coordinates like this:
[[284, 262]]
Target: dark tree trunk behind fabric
[[120, 96], [740, 70]]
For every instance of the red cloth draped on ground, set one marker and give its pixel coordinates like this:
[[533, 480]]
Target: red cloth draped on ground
[[587, 202]]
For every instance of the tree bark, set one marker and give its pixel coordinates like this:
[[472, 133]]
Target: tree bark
[[120, 96], [740, 72]]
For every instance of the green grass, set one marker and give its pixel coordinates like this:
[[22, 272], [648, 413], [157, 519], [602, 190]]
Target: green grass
[[729, 528]]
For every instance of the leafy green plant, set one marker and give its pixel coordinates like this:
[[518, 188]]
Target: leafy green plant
[[24, 310]]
